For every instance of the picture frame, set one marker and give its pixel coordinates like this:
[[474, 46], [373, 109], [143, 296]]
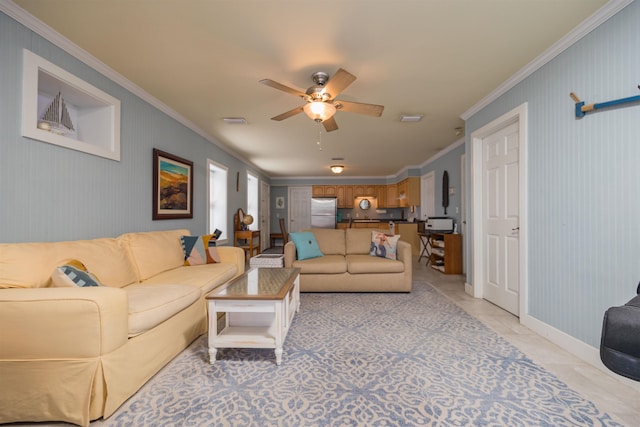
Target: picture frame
[[280, 202], [172, 186]]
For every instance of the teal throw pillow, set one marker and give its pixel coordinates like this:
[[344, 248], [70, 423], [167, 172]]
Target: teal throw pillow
[[306, 245]]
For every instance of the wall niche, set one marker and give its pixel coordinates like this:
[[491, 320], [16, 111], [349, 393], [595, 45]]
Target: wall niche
[[61, 109]]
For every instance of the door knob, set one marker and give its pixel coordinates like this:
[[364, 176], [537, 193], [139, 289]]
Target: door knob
[[515, 229]]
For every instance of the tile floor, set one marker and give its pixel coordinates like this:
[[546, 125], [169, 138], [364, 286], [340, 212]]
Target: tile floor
[[608, 393]]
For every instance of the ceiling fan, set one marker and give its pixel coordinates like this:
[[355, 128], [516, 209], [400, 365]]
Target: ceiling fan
[[321, 99]]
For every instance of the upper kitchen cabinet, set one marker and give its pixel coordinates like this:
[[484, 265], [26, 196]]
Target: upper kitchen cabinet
[[324, 191], [317, 191], [392, 196], [381, 196], [409, 192], [344, 193]]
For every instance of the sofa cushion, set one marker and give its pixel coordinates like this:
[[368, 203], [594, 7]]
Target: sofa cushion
[[199, 250], [306, 245], [207, 276], [73, 274], [365, 264], [384, 245], [150, 305], [358, 241], [328, 264], [155, 251], [330, 241], [29, 265]]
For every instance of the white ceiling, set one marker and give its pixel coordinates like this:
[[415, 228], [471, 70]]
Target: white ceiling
[[204, 58]]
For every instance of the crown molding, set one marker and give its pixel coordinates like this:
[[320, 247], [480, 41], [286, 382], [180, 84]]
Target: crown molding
[[442, 152], [585, 27], [20, 15]]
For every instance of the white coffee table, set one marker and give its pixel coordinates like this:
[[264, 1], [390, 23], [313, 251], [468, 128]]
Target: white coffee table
[[259, 307]]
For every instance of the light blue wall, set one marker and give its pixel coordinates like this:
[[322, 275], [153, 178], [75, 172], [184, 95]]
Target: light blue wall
[[52, 193], [584, 178], [449, 162]]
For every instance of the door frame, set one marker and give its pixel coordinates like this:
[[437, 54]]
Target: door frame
[[265, 215], [423, 193], [517, 115]]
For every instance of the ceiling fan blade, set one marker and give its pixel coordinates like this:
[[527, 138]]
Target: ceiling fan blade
[[357, 107], [282, 87], [288, 114], [330, 124], [339, 82]]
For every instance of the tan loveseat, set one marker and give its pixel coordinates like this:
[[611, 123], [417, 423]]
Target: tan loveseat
[[347, 266], [77, 353]]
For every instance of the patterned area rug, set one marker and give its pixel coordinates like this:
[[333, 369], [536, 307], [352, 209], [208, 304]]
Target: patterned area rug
[[364, 360]]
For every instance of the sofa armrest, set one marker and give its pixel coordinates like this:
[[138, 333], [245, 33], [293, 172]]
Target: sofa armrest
[[233, 255], [404, 254], [57, 323], [289, 254]]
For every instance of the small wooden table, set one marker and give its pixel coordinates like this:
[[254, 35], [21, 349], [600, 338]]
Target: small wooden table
[[249, 237], [425, 242], [259, 308]]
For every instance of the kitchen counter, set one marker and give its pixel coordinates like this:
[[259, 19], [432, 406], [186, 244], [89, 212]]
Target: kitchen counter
[[408, 231]]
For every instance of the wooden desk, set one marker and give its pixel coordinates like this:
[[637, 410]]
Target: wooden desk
[[248, 237]]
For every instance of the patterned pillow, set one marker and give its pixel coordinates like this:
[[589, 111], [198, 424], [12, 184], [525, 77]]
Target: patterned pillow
[[73, 274], [384, 245], [200, 250]]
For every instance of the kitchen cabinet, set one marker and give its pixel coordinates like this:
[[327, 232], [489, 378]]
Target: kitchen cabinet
[[392, 196], [384, 226], [340, 195], [409, 192], [358, 191], [330, 191], [381, 196], [446, 252], [323, 191], [348, 196], [409, 233]]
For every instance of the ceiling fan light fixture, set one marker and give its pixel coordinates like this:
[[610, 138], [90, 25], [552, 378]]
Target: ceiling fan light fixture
[[319, 111], [336, 169]]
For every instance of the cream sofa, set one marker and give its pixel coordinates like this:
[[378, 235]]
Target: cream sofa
[[76, 354], [347, 266]]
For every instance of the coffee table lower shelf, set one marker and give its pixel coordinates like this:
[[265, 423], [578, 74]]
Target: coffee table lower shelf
[[251, 322]]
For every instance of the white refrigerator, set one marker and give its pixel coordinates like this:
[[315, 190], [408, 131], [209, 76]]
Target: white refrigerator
[[323, 212]]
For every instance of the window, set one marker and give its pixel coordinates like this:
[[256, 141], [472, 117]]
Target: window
[[252, 199], [217, 199]]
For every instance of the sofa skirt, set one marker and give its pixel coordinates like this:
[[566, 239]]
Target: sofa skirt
[[347, 282]]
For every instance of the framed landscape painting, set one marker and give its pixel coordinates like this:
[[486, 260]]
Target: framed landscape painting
[[172, 186]]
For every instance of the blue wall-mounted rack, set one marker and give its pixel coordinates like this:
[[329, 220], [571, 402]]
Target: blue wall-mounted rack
[[582, 109]]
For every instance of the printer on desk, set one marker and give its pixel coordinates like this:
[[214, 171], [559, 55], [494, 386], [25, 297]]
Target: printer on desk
[[437, 224]]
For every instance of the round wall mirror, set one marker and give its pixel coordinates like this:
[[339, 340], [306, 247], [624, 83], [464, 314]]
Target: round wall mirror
[[365, 204]]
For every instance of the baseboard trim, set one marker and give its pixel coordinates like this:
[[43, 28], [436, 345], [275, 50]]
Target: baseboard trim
[[574, 346], [468, 288]]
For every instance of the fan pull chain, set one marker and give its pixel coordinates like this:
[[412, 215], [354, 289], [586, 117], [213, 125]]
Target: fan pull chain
[[319, 143]]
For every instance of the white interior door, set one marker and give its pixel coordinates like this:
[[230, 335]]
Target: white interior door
[[428, 195], [501, 217], [462, 227], [265, 215], [299, 209]]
